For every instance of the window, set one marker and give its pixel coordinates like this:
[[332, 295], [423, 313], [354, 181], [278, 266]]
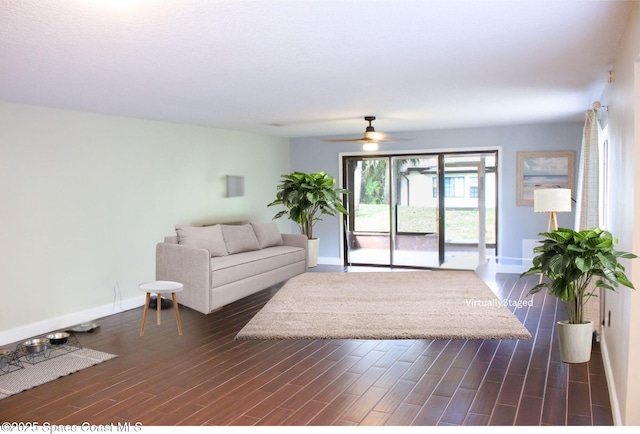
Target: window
[[473, 187], [453, 186]]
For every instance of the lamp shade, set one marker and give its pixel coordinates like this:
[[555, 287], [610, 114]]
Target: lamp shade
[[552, 200]]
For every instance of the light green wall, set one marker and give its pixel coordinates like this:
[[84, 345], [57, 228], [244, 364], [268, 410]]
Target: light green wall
[[85, 198]]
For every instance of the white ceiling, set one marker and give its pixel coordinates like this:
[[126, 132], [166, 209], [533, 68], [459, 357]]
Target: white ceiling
[[314, 67]]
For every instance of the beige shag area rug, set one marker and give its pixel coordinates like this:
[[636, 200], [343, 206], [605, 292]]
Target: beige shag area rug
[[385, 305]]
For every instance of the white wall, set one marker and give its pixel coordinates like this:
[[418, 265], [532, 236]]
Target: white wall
[[85, 198], [621, 340]]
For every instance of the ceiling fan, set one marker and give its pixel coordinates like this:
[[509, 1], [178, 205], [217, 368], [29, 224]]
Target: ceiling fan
[[370, 139]]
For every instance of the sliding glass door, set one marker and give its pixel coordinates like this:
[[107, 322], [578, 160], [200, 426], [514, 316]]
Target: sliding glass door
[[368, 234], [469, 212], [422, 210], [415, 211]]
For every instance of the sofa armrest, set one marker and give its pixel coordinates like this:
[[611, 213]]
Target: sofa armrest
[[298, 240], [189, 266]]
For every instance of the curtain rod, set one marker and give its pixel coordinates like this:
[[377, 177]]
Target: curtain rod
[[596, 105]]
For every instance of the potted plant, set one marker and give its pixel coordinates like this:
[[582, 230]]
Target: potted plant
[[307, 197], [571, 260]]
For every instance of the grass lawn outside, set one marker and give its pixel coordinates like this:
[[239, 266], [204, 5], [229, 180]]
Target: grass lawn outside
[[461, 224]]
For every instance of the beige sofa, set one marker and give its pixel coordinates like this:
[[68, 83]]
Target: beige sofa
[[223, 263]]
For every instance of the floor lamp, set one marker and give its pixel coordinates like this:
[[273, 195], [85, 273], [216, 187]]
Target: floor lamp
[[552, 201]]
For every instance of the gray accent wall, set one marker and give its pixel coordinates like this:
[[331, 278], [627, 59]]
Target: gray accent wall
[[312, 154]]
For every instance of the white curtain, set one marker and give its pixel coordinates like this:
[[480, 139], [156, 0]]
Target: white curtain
[[588, 187], [588, 198]]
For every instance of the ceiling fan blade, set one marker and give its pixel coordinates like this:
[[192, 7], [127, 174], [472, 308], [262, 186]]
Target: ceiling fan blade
[[361, 139], [393, 139], [365, 140], [370, 135]]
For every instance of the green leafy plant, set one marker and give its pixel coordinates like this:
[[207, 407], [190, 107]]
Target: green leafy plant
[[571, 259], [308, 196]]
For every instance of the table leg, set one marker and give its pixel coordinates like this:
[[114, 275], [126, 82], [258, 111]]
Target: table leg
[[175, 307], [144, 314], [158, 306]]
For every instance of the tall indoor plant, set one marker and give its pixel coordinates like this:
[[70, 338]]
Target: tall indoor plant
[[571, 260], [307, 197]]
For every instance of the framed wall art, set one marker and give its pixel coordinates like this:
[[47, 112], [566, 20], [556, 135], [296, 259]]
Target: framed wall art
[[543, 169]]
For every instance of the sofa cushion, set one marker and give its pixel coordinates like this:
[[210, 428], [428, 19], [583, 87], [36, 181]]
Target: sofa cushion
[[209, 237], [232, 268], [268, 234], [239, 238]]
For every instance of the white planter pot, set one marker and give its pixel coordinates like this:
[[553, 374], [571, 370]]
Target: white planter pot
[[313, 248], [575, 341]]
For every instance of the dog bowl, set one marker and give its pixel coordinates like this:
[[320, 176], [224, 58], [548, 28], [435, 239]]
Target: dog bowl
[[58, 338], [87, 327], [35, 346]]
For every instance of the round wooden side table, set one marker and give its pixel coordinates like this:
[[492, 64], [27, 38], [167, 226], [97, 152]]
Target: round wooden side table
[[160, 287]]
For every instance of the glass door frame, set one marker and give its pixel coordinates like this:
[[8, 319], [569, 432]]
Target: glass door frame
[[396, 234], [351, 217], [440, 153]]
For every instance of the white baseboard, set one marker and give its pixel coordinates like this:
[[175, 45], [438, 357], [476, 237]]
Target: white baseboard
[[608, 371], [509, 265], [510, 269], [327, 260], [62, 322]]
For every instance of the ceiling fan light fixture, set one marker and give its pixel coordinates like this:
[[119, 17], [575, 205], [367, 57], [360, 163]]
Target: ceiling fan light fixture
[[370, 139], [370, 134], [370, 146]]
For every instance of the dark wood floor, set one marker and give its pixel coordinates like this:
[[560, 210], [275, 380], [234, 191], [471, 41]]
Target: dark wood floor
[[206, 378]]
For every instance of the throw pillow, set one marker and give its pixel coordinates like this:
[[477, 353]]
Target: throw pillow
[[239, 238], [268, 234], [208, 237]]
